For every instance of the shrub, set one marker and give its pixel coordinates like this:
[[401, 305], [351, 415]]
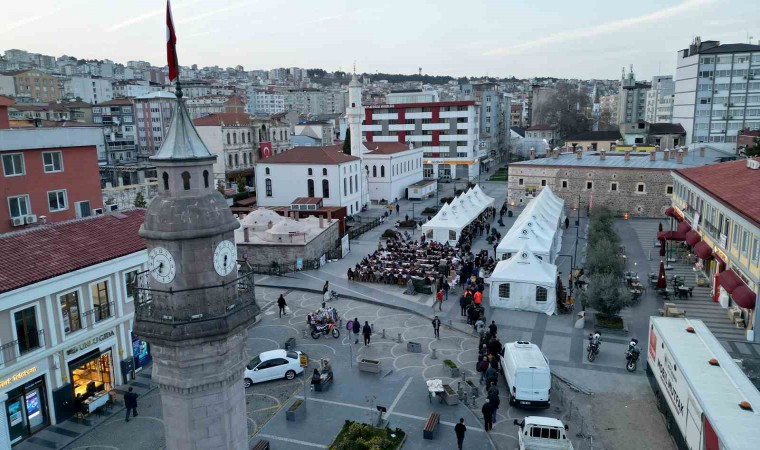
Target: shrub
[[430, 210], [295, 405], [388, 234], [446, 200], [361, 436], [606, 295], [449, 363]]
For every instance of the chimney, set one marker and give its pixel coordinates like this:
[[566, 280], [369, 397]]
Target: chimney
[[602, 154], [666, 154], [579, 153], [627, 155], [321, 222], [613, 147], [532, 153], [556, 153], [43, 220], [679, 156], [702, 151], [656, 148], [246, 235], [329, 215], [653, 156]]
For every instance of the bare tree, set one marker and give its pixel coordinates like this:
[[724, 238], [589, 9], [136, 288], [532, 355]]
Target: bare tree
[[566, 109]]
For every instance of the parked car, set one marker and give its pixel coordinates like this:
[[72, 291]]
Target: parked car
[[527, 373], [272, 365], [543, 433]]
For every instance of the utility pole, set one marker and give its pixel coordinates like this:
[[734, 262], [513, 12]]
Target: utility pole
[[575, 250]]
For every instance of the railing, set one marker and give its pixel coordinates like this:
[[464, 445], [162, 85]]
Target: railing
[[279, 269], [193, 305], [11, 351], [99, 312], [357, 231]]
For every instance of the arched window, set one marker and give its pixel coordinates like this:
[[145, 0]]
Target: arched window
[[266, 171], [237, 160], [186, 180], [350, 184], [345, 184], [268, 187], [374, 171], [249, 137], [250, 156], [382, 171], [541, 294], [229, 139], [324, 171], [245, 159], [230, 158], [234, 138], [356, 180], [205, 178], [165, 176], [310, 188], [366, 169], [311, 172], [325, 189]]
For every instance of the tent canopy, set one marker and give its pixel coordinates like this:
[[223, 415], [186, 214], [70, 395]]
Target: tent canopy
[[527, 235], [514, 283], [453, 217]]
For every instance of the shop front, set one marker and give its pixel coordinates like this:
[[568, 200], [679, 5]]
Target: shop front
[[141, 352], [26, 407]]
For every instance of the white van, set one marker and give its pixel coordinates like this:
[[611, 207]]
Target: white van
[[526, 370], [543, 433]]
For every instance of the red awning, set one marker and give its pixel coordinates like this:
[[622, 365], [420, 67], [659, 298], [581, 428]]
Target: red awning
[[670, 212], [683, 227], [692, 237], [703, 250], [744, 297], [671, 236], [729, 280]]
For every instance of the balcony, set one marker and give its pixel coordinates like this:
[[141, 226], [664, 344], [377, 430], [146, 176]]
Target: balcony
[[12, 351]]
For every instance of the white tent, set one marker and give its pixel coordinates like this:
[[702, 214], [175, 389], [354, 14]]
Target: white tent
[[531, 236], [489, 201], [446, 226], [525, 283]]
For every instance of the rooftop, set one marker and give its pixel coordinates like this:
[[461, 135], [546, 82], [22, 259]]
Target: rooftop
[[385, 148], [117, 102], [540, 127], [423, 104], [217, 119], [638, 160], [732, 48], [47, 251], [332, 154], [602, 135], [732, 183], [666, 128]]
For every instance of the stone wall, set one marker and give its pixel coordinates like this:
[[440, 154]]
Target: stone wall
[[571, 182], [286, 254]]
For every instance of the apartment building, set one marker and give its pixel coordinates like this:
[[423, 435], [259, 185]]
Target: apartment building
[[118, 120], [263, 101], [231, 137], [92, 90], [659, 100], [153, 115], [35, 85]]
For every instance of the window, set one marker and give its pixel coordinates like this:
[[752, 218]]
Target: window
[[520, 181], [229, 139], [541, 294], [268, 187], [310, 172], [324, 171], [72, 320], [266, 171], [310, 188], [52, 162], [382, 171], [205, 178], [82, 209], [100, 304], [165, 176], [641, 188], [543, 182], [374, 171], [237, 160], [229, 157], [130, 282], [26, 330], [613, 186], [19, 205], [745, 242], [186, 180], [325, 189], [13, 165], [668, 190], [755, 250], [564, 184], [57, 200], [735, 236], [589, 185], [345, 184], [504, 290]]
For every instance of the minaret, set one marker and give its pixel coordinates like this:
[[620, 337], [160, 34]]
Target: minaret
[[354, 114], [193, 306]]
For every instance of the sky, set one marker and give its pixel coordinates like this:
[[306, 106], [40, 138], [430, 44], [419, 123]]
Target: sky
[[500, 38]]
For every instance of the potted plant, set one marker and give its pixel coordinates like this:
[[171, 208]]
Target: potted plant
[[453, 369], [450, 395], [295, 411], [362, 435], [369, 365]]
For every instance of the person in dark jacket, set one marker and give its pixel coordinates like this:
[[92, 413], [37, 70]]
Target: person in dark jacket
[[356, 327], [436, 327], [460, 429], [492, 328], [488, 412], [281, 304], [367, 331], [130, 403], [463, 305]]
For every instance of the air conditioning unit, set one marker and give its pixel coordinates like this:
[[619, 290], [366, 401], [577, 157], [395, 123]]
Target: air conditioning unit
[[112, 208], [31, 218], [97, 211], [17, 221], [711, 77], [725, 104], [753, 164], [715, 91]]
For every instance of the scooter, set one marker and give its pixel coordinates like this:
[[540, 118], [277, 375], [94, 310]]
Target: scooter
[[594, 342], [632, 355]]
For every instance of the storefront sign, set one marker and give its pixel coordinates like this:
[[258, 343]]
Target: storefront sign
[[16, 377], [719, 253], [141, 352], [89, 342]]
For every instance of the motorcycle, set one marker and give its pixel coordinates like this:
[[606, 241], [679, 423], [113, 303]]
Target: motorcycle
[[632, 355], [318, 331], [594, 342]]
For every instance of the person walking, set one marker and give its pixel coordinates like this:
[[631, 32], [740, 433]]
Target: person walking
[[397, 208], [439, 300], [356, 327], [437, 327], [281, 304], [478, 297], [130, 403], [482, 368], [463, 305], [492, 328], [446, 288], [367, 331], [567, 222], [487, 411], [495, 246], [460, 429]]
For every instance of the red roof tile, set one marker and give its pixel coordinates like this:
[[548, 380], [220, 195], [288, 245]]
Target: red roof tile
[[223, 119], [332, 154], [5, 101], [36, 254], [732, 183], [386, 148]]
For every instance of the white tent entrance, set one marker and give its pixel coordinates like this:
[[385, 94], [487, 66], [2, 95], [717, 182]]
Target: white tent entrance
[[524, 282]]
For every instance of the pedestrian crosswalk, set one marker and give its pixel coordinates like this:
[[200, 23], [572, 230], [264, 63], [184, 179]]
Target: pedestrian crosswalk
[[698, 306]]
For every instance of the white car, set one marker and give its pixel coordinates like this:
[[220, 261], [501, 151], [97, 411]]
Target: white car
[[272, 365]]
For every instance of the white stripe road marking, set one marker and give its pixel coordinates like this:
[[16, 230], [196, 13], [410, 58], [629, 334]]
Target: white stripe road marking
[[400, 393], [292, 441]]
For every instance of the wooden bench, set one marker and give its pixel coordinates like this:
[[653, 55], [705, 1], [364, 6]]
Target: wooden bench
[[432, 422], [262, 444]]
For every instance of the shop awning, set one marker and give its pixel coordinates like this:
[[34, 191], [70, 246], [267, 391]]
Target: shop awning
[[744, 297], [670, 212], [692, 237], [729, 280], [703, 250], [671, 236], [683, 227]]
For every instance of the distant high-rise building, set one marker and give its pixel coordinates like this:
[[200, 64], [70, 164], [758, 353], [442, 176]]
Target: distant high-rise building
[[659, 100], [153, 115], [89, 89], [717, 91], [632, 99], [265, 101]]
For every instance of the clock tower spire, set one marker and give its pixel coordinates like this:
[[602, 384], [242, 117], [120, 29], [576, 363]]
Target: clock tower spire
[[193, 306]]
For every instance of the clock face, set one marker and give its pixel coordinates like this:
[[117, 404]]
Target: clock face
[[161, 265], [225, 258]]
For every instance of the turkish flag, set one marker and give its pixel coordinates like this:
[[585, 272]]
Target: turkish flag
[[171, 44], [265, 150]]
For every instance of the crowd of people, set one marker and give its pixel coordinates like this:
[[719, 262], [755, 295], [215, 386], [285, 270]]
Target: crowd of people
[[488, 365]]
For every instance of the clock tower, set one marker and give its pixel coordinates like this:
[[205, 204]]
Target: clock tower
[[193, 306]]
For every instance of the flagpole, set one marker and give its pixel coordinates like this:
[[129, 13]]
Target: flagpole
[[172, 51]]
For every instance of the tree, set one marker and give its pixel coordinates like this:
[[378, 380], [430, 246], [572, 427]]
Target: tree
[[754, 151], [140, 200], [240, 181], [220, 186], [606, 295], [347, 142], [603, 259], [565, 109]]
